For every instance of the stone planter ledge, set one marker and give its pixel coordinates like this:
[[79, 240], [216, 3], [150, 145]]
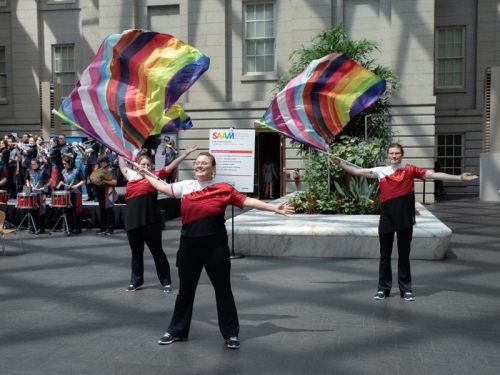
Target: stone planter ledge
[[259, 233]]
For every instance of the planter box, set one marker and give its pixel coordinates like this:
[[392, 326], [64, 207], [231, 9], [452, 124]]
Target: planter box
[[259, 233]]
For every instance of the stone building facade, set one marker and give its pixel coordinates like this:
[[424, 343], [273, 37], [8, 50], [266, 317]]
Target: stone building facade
[[439, 49]]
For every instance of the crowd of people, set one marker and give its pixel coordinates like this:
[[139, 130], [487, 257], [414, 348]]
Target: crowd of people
[[66, 167], [17, 154], [30, 164]]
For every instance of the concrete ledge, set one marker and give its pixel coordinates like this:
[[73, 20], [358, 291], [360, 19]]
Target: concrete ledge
[[259, 233]]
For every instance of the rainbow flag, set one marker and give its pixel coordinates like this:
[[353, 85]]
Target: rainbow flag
[[317, 104], [176, 119], [126, 93]]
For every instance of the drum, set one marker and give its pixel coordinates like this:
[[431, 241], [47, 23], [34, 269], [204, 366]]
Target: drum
[[60, 199], [4, 196], [26, 200]]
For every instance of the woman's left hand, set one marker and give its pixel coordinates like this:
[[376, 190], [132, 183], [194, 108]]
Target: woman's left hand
[[285, 210]]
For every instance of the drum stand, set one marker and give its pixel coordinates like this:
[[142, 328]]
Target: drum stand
[[30, 220], [65, 226]]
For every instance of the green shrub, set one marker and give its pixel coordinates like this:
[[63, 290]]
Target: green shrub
[[327, 192]]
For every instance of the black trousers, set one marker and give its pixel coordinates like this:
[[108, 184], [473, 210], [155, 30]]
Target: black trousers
[[11, 181], [404, 237], [106, 214], [89, 168], [150, 235], [211, 252], [22, 179]]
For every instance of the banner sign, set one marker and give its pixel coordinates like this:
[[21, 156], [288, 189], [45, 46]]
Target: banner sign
[[234, 152]]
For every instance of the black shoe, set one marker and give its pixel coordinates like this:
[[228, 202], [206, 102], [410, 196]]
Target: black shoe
[[408, 296], [8, 225], [233, 343], [132, 288], [168, 289], [168, 339], [40, 231], [88, 224], [89, 199], [381, 295], [101, 232], [76, 231]]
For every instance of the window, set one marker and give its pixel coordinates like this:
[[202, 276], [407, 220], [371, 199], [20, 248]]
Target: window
[[450, 58], [3, 74], [259, 38], [450, 153], [64, 68]]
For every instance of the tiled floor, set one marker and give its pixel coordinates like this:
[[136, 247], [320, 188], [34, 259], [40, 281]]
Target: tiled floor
[[64, 310]]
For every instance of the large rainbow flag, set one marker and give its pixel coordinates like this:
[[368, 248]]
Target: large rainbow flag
[[176, 119], [130, 89], [317, 104]]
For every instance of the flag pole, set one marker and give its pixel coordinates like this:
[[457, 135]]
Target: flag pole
[[340, 159], [150, 174]]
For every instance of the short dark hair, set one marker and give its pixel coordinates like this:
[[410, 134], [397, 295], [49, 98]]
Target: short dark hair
[[396, 145], [103, 158]]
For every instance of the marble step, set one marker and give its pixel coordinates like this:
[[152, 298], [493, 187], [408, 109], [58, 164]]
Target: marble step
[[259, 233]]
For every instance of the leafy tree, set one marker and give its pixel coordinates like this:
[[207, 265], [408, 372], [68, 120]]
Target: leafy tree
[[322, 176]]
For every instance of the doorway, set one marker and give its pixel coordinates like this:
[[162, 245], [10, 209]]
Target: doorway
[[268, 146]]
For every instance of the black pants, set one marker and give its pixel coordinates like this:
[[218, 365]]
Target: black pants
[[22, 178], [150, 235], [89, 168], [404, 237], [11, 181], [106, 214], [211, 252]]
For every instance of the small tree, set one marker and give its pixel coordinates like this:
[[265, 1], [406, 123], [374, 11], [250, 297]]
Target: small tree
[[321, 194]]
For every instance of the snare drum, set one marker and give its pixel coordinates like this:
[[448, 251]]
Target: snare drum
[[60, 199], [26, 200], [4, 196]]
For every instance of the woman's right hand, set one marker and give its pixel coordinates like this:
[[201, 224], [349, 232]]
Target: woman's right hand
[[335, 159], [284, 209], [190, 149]]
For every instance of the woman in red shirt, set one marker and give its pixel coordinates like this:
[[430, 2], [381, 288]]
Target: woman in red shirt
[[204, 244], [143, 221], [397, 196]]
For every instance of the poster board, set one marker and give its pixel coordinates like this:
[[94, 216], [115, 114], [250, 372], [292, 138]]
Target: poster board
[[234, 152]]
